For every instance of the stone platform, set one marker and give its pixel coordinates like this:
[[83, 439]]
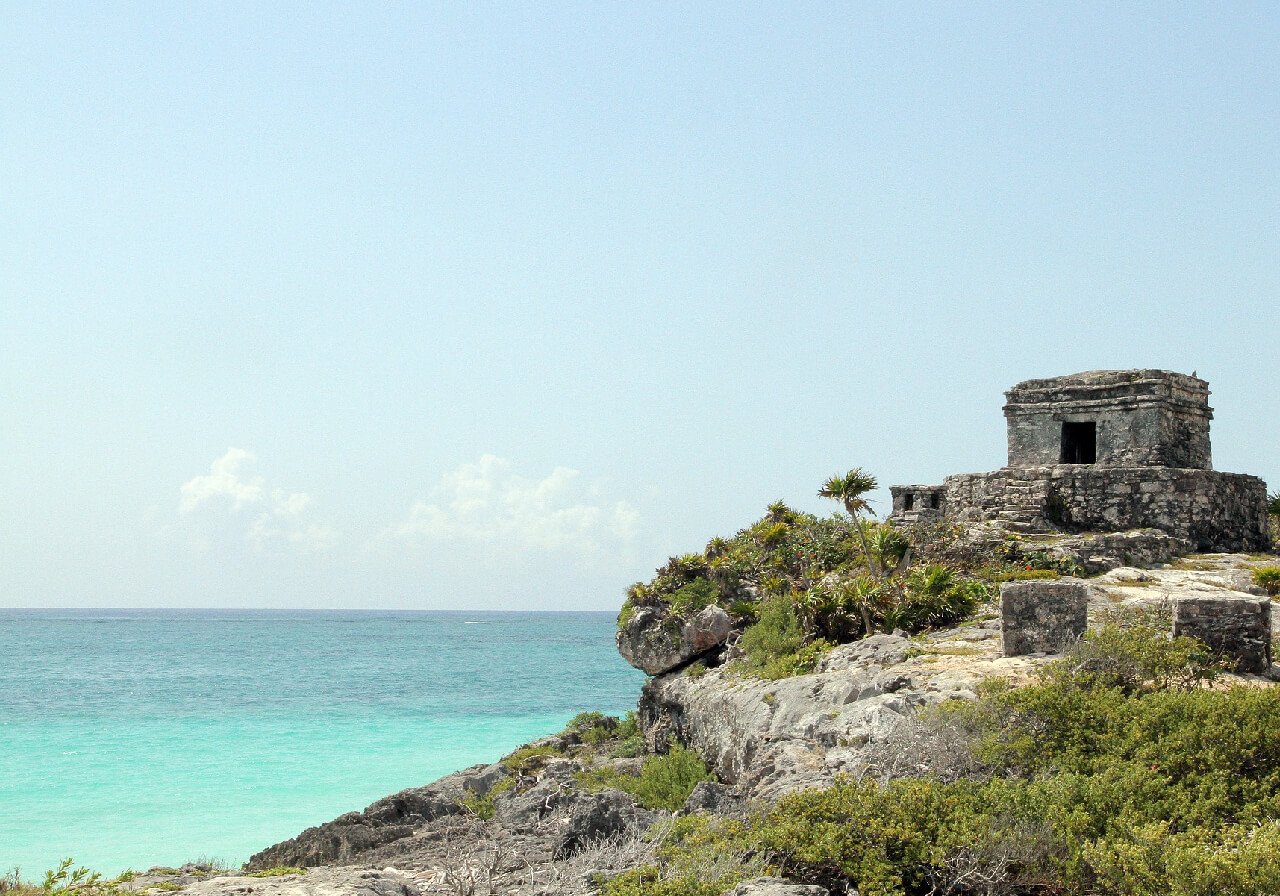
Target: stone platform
[[1214, 511]]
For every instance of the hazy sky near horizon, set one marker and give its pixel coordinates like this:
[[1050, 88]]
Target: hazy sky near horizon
[[499, 305]]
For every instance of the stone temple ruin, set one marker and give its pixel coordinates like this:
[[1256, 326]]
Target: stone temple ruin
[[1105, 451]]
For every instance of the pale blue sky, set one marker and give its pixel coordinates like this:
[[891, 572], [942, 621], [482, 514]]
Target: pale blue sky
[[496, 305]]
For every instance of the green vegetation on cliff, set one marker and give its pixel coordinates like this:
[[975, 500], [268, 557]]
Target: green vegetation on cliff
[[663, 782], [797, 584], [1119, 772]]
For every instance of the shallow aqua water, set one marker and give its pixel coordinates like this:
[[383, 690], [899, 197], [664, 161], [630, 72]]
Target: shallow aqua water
[[131, 738]]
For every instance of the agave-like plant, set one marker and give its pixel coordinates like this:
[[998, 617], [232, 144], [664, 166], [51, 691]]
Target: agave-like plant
[[888, 544]]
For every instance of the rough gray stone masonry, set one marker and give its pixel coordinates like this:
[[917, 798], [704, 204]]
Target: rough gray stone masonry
[[1214, 511], [1235, 628], [1042, 617], [1140, 418]]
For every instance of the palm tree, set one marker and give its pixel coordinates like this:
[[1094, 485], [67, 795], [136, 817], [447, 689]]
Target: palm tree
[[849, 489]]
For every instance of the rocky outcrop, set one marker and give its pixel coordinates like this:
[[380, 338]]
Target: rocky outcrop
[[389, 819], [1100, 552], [315, 882], [597, 816], [532, 829], [771, 737], [465, 829], [656, 641]]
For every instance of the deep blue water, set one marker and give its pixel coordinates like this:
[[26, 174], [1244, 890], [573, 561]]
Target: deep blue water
[[130, 738]]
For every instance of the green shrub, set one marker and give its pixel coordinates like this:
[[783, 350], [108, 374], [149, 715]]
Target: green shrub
[[1234, 860], [625, 614], [664, 781], [1012, 572], [277, 871], [650, 880], [887, 543], [78, 881], [887, 839], [776, 645], [629, 748], [933, 596], [689, 599], [699, 855], [1133, 651], [628, 726], [482, 806], [530, 759], [1267, 578], [1118, 773], [592, 728]]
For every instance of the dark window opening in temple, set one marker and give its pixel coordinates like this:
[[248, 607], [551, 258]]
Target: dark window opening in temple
[[934, 502], [908, 501], [1079, 443]]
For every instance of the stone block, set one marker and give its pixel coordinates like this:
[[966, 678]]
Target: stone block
[[1237, 629], [1042, 617]]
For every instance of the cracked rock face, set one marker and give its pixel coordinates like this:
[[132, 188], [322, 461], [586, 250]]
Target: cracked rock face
[[772, 737], [389, 819], [657, 642]]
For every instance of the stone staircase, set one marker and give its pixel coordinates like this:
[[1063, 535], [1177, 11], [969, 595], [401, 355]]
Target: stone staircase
[[1023, 505]]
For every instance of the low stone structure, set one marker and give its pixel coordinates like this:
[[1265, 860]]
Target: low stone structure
[[1042, 617], [918, 503], [1234, 628], [1108, 451], [1214, 511]]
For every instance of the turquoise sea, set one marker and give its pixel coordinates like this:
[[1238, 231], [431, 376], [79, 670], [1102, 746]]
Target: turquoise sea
[[131, 738]]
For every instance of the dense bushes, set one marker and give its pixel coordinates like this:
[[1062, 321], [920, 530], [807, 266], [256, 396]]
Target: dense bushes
[[776, 645], [664, 781], [697, 858], [798, 583], [1118, 773]]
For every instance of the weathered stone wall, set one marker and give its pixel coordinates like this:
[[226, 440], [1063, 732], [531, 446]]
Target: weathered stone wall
[[1042, 617], [917, 503], [1214, 511], [1143, 418], [1236, 629]]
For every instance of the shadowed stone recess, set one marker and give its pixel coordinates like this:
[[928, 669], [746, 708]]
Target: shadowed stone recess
[[1236, 629], [1042, 617]]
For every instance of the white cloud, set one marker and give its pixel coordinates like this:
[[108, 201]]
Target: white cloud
[[274, 515], [487, 502], [223, 481]]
